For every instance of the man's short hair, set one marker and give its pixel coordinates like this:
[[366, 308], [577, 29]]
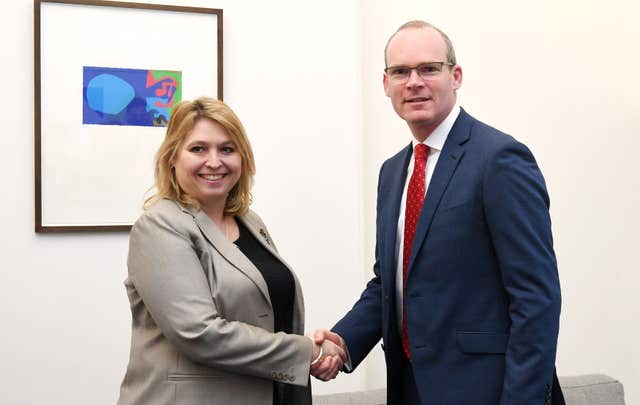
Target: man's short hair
[[451, 53]]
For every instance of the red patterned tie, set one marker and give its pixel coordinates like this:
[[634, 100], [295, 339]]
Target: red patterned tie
[[415, 198]]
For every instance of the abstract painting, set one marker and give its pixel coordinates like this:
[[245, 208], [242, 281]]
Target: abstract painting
[[101, 110], [136, 97]]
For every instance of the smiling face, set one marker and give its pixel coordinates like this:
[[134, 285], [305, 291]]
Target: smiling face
[[208, 165], [422, 103]]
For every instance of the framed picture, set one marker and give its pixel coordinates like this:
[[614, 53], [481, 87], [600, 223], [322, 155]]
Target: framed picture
[[107, 76]]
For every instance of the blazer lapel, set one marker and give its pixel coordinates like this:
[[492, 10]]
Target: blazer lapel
[[260, 233], [451, 154], [229, 250], [391, 192]]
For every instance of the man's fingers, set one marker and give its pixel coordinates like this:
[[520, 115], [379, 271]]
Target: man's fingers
[[320, 335]]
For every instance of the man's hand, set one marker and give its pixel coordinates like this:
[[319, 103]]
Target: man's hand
[[321, 335], [334, 355]]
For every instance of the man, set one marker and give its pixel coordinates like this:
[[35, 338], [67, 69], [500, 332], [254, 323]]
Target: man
[[466, 294]]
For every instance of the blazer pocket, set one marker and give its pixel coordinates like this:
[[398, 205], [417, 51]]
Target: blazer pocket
[[176, 377], [453, 205], [482, 342]]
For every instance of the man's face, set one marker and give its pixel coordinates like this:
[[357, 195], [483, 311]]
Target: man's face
[[422, 102]]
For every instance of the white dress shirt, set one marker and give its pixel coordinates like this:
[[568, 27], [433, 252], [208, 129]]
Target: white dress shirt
[[435, 142]]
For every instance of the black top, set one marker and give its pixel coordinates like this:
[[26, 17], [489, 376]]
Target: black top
[[281, 292]]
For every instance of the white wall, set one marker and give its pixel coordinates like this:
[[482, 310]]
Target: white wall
[[562, 77], [65, 316], [305, 78]]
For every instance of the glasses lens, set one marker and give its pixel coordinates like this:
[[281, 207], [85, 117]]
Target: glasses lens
[[429, 69], [399, 72]]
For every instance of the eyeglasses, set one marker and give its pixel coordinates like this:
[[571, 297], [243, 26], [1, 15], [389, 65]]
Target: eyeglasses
[[427, 70]]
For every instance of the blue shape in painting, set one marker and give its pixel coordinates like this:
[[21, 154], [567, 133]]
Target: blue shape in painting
[[116, 96], [109, 94], [153, 106]]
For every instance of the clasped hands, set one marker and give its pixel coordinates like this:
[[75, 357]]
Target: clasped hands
[[334, 354]]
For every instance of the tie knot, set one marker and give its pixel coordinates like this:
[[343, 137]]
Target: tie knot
[[422, 152]]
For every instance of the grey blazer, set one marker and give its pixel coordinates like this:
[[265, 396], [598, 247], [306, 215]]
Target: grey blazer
[[202, 321]]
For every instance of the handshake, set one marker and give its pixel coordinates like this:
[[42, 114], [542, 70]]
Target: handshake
[[329, 355]]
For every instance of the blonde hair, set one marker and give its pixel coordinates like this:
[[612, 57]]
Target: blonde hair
[[182, 121]]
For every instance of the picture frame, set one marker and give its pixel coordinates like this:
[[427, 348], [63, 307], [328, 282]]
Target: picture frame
[[106, 77]]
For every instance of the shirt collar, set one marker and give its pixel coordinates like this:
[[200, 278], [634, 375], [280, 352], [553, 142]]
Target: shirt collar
[[439, 135]]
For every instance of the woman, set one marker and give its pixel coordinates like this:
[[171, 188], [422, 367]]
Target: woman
[[216, 313]]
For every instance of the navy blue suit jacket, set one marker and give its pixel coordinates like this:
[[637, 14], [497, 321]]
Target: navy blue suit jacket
[[482, 295]]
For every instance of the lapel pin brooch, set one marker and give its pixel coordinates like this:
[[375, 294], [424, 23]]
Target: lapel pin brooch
[[264, 235]]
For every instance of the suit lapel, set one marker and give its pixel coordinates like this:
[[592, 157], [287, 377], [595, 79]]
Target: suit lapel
[[229, 250], [451, 154], [391, 192]]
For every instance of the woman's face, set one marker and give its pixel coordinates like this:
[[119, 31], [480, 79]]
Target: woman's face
[[208, 164]]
